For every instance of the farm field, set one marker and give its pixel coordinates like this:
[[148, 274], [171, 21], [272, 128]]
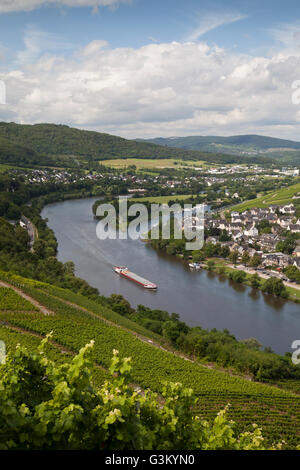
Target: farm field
[[5, 167], [163, 199], [276, 410], [280, 197], [150, 163]]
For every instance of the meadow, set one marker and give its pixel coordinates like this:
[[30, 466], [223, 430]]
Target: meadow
[[150, 163], [164, 199]]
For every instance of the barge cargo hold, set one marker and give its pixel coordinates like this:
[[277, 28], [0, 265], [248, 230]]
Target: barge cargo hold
[[123, 271]]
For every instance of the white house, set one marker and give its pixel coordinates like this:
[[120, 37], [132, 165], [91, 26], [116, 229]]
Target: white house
[[251, 231]]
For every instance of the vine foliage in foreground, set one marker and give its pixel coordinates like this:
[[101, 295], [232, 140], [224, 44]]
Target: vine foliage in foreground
[[49, 406]]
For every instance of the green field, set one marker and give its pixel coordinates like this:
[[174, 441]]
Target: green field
[[164, 199], [280, 197], [5, 167], [150, 163]]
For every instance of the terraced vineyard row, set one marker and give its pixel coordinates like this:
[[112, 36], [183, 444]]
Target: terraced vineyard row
[[277, 411], [279, 196], [279, 417], [75, 327], [12, 338], [82, 301], [10, 300]]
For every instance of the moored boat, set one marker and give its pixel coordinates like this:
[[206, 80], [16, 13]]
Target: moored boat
[[194, 265]]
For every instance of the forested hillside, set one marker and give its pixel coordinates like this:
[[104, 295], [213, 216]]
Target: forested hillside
[[11, 152], [50, 144]]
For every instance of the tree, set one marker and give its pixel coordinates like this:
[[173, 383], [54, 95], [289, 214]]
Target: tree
[[210, 264], [222, 270], [288, 245], [233, 257], [22, 237], [198, 256], [69, 268], [293, 273], [255, 261], [224, 251], [58, 407], [275, 286], [224, 236], [245, 258], [171, 330], [40, 248], [172, 248], [238, 276], [264, 226], [266, 230], [120, 305], [255, 281], [209, 250], [252, 343]]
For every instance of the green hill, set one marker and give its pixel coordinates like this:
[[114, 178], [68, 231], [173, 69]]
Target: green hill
[[50, 144], [11, 152]]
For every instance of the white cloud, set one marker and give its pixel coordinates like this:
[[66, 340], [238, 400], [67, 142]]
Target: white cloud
[[158, 89], [210, 21], [288, 35], [39, 42], [93, 48], [7, 6]]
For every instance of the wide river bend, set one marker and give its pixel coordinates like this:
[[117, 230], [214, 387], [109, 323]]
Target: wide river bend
[[201, 298]]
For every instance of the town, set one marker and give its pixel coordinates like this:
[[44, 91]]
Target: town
[[265, 237]]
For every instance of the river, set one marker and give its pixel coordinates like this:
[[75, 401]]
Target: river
[[201, 298]]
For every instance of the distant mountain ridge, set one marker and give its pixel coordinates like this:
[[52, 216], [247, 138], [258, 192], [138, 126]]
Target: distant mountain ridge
[[251, 142]]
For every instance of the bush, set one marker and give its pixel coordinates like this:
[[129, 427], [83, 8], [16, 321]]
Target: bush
[[238, 276], [275, 286]]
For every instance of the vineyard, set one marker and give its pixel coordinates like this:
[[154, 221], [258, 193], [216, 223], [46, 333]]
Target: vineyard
[[76, 320], [13, 337], [280, 197], [10, 300]]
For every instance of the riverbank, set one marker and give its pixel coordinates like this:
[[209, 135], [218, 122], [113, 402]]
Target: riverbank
[[222, 267], [211, 254]]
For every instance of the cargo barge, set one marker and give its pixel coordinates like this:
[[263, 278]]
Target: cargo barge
[[123, 271]]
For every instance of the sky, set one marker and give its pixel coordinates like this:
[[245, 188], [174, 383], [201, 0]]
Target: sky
[[150, 68]]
